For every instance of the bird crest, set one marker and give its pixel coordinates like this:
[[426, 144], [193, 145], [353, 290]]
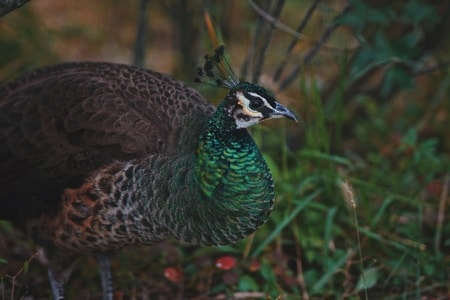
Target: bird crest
[[217, 71]]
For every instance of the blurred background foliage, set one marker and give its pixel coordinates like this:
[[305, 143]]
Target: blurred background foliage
[[363, 183]]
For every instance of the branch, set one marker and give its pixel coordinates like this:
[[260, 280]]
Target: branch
[[300, 28], [258, 65], [442, 66], [249, 61], [325, 36], [283, 27], [141, 35]]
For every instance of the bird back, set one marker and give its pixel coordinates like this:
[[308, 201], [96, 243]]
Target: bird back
[[59, 124]]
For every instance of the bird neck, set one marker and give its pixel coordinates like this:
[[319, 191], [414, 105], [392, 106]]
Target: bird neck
[[223, 148], [236, 185]]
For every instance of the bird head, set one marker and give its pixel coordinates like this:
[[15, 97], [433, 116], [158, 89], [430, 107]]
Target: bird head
[[247, 103], [251, 104]]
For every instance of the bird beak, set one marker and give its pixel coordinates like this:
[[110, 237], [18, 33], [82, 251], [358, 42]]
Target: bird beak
[[280, 111]]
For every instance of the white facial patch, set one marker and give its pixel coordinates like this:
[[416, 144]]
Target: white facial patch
[[245, 103], [246, 116]]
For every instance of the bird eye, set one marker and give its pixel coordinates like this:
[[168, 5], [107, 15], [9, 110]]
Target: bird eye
[[256, 104]]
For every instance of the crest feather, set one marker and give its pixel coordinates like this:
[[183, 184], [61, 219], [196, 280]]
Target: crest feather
[[217, 71]]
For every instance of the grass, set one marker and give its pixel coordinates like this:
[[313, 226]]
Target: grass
[[323, 240]]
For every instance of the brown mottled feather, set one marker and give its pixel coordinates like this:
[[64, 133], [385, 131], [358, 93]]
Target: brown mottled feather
[[59, 124]]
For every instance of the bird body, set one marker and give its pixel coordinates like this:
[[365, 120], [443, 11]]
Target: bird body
[[95, 157]]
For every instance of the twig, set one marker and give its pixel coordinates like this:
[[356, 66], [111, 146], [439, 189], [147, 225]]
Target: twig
[[14, 277], [251, 51], [347, 282], [441, 66], [259, 63], [319, 45], [283, 27], [441, 213], [300, 277], [295, 40], [325, 36], [250, 59], [141, 35]]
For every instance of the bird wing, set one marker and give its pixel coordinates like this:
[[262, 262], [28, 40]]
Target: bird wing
[[60, 123]]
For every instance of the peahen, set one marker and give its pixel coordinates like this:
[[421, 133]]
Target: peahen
[[95, 157]]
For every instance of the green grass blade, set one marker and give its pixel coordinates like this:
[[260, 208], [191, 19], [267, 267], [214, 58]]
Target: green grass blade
[[331, 271], [301, 205], [328, 232]]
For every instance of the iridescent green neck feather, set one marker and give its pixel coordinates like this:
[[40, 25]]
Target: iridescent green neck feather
[[236, 190]]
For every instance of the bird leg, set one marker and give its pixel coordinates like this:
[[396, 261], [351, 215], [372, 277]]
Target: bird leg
[[105, 274], [57, 286], [58, 278]]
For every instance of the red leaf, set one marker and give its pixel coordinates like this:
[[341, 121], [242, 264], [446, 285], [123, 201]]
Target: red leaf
[[226, 263], [173, 274]]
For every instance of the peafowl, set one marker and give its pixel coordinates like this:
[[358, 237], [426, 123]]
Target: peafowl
[[95, 157]]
